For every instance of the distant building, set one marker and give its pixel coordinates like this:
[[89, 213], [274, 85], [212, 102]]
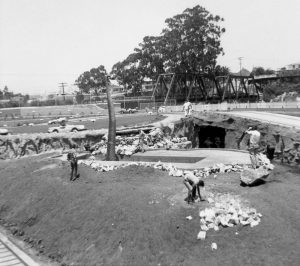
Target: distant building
[[293, 66]]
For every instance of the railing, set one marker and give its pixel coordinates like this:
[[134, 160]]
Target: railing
[[238, 106]]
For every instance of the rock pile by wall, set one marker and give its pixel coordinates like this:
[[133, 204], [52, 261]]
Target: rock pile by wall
[[127, 143]]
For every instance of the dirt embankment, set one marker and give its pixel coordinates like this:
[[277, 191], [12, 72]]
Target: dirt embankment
[[16, 146], [284, 141], [137, 216]]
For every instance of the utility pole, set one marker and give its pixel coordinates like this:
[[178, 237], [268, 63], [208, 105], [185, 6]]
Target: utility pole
[[62, 86], [240, 59]]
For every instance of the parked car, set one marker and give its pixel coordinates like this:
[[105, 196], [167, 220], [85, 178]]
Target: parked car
[[4, 131], [128, 111], [56, 121], [66, 128]]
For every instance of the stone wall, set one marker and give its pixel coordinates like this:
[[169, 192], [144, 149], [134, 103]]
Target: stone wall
[[14, 146]]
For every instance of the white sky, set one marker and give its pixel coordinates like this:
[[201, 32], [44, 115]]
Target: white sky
[[44, 42]]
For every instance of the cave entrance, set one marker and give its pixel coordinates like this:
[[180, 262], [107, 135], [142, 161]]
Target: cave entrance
[[211, 137]]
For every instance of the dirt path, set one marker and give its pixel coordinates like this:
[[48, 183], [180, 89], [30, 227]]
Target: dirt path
[[136, 216]]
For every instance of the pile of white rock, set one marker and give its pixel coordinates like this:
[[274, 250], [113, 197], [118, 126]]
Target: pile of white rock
[[170, 168], [227, 211], [128, 145]]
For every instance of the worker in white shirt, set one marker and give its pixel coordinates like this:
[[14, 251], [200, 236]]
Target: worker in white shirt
[[254, 145], [187, 107]]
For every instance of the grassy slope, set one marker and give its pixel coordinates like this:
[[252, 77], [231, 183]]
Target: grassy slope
[[106, 218]]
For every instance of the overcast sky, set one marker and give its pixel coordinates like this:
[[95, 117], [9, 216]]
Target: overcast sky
[[44, 42]]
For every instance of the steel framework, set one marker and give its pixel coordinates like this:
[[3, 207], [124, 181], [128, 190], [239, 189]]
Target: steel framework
[[205, 87]]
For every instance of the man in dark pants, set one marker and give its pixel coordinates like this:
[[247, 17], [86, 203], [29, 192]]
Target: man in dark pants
[[72, 158]]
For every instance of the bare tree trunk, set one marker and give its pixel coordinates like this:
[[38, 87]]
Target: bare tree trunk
[[111, 143]]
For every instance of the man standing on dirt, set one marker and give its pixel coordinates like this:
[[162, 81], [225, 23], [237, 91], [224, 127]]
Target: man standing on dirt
[[141, 141], [254, 142], [187, 107], [72, 158]]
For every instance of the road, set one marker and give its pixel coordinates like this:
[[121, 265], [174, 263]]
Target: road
[[271, 118], [99, 123]]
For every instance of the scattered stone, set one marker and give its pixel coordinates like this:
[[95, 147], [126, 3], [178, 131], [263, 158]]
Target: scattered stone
[[214, 246], [228, 211], [249, 176], [201, 235], [189, 217]]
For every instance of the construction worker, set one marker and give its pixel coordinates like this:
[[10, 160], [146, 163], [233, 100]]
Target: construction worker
[[254, 145], [72, 158], [142, 141], [187, 107], [193, 184]]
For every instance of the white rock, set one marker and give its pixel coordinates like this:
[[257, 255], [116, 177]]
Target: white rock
[[204, 227], [214, 246], [201, 235]]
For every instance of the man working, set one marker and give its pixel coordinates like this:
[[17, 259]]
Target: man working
[[193, 184], [72, 158], [187, 107], [254, 142], [142, 141]]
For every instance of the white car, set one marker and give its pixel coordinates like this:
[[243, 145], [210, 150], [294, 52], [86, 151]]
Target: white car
[[56, 121], [3, 131], [66, 128]]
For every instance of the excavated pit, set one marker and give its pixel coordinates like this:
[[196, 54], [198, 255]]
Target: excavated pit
[[210, 136]]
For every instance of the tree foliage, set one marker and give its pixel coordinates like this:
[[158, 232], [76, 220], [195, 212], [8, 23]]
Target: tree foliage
[[258, 71], [92, 81], [189, 42]]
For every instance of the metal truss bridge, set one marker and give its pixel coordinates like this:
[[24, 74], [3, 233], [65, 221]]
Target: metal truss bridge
[[209, 88]]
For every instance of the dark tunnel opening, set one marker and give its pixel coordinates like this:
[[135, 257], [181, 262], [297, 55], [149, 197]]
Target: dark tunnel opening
[[211, 137]]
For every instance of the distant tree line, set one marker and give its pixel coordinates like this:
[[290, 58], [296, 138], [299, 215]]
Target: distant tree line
[[10, 99]]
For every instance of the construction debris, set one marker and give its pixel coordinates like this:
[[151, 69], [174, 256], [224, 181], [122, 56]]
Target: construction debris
[[201, 235], [250, 176], [172, 170], [228, 211], [128, 145], [214, 246]]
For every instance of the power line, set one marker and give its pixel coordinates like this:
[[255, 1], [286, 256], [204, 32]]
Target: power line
[[62, 86], [240, 59]]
